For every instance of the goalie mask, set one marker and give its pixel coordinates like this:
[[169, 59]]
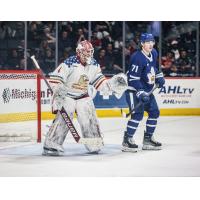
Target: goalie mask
[[85, 52]]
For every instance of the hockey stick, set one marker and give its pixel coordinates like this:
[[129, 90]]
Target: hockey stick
[[65, 116], [138, 105]]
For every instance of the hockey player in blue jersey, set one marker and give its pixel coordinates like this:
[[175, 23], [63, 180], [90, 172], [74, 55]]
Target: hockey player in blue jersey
[[142, 75]]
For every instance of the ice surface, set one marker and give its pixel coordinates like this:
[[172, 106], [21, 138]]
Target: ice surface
[[180, 155]]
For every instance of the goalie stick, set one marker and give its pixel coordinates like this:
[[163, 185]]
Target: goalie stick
[[138, 105], [65, 116]]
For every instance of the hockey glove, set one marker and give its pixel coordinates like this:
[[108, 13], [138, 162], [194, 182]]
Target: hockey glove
[[143, 96], [118, 84], [160, 81]]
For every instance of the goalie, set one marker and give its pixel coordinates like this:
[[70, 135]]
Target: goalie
[[70, 82]]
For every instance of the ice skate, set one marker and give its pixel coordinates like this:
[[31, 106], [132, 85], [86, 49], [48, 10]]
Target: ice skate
[[128, 144], [52, 149], [51, 152], [149, 143]]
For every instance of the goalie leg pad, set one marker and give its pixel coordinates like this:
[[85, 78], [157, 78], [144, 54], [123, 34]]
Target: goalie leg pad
[[51, 146], [58, 130], [88, 121], [54, 136]]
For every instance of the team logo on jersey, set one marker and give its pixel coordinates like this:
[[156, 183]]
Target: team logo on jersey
[[151, 76], [82, 83]]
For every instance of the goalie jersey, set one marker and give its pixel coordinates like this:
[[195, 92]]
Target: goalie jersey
[[75, 77], [143, 70]]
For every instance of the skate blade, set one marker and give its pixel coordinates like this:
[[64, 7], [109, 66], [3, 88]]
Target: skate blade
[[149, 147], [51, 153], [126, 149], [53, 149]]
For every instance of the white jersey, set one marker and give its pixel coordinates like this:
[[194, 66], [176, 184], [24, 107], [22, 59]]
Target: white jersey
[[76, 77]]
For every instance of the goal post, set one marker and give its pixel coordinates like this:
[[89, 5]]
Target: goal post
[[20, 105]]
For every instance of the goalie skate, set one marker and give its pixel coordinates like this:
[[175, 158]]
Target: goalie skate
[[52, 149], [51, 152]]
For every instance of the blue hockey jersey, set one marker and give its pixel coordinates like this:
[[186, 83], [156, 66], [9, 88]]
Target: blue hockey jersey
[[143, 69]]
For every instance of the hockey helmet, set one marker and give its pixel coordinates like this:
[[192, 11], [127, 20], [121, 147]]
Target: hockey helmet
[[146, 37], [85, 51]]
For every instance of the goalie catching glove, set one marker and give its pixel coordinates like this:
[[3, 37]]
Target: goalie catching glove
[[115, 85]]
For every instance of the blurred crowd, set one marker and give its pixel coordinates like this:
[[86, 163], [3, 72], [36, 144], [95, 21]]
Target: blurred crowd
[[12, 45], [106, 38], [179, 49], [178, 44]]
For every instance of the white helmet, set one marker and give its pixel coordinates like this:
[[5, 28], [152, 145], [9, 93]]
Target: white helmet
[[85, 51]]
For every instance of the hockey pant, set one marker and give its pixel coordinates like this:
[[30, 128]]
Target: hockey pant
[[151, 108], [87, 120]]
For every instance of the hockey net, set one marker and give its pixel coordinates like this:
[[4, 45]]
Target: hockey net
[[20, 106]]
